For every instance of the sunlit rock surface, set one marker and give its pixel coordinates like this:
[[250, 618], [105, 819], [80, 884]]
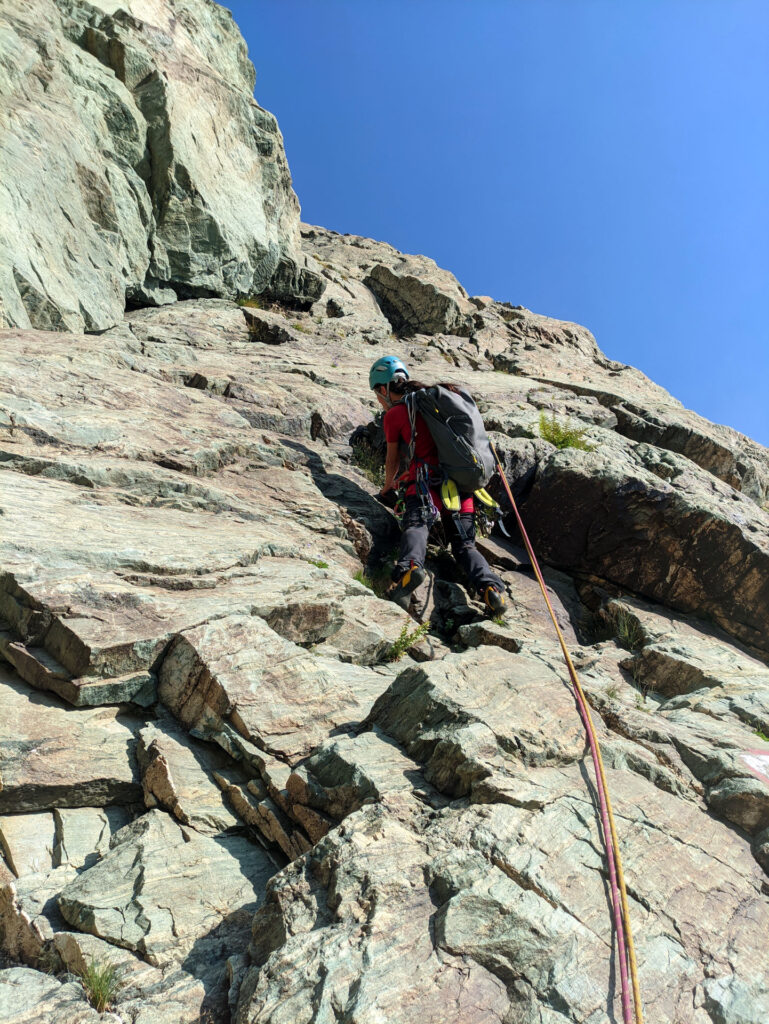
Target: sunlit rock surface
[[228, 768]]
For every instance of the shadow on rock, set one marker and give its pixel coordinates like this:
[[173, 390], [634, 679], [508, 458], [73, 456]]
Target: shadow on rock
[[380, 525]]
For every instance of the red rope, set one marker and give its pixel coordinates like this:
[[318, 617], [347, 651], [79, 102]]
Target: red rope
[[619, 901]]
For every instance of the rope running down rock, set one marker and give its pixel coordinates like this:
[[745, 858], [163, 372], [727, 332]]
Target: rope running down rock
[[625, 945]]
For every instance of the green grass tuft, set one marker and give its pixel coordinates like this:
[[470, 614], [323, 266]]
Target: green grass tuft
[[406, 640], [612, 691], [379, 581], [252, 303], [100, 983], [318, 562], [361, 577], [563, 435], [761, 735], [627, 631]]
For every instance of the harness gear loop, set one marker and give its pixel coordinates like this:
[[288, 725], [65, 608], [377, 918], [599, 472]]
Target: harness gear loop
[[429, 512], [621, 912]]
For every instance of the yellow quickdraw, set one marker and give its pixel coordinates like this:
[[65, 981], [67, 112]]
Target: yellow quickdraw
[[483, 496], [450, 496]]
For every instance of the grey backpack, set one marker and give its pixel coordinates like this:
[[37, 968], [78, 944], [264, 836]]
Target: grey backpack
[[457, 429]]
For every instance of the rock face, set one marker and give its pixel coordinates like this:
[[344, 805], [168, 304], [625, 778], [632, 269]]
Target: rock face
[[158, 891], [413, 293], [229, 769], [108, 192]]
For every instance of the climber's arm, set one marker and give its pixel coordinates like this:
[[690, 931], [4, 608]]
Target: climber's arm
[[392, 461]]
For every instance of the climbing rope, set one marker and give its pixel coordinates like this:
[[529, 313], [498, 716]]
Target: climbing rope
[[625, 947]]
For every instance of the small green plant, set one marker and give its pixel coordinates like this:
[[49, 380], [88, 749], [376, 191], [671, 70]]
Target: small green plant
[[612, 691], [499, 619], [369, 464], [379, 581], [563, 435], [761, 735], [361, 577], [627, 630], [406, 640], [302, 328], [318, 562], [252, 303], [101, 984]]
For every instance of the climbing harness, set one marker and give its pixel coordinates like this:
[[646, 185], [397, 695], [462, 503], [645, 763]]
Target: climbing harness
[[488, 513], [625, 946]]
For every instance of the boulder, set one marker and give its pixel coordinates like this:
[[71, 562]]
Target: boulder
[[178, 774], [459, 716], [28, 996], [414, 294], [27, 842], [415, 304], [347, 772], [53, 757], [654, 525], [163, 892], [369, 628], [145, 994], [83, 834], [358, 949], [274, 693]]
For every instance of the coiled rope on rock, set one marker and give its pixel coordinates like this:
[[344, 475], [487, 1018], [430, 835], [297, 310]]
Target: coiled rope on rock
[[621, 913]]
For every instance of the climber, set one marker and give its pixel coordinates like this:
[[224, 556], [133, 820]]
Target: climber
[[389, 379]]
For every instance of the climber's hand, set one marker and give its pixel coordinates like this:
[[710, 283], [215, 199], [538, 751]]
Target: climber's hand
[[387, 497]]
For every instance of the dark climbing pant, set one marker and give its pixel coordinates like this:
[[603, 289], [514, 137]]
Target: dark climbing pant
[[414, 544]]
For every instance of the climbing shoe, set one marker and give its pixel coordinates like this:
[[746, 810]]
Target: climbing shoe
[[405, 581], [495, 601]]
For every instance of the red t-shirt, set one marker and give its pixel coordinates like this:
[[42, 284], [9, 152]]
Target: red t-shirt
[[397, 428]]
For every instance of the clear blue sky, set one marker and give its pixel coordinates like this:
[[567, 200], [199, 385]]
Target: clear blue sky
[[603, 161]]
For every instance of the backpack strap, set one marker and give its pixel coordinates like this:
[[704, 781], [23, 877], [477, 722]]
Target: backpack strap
[[409, 401]]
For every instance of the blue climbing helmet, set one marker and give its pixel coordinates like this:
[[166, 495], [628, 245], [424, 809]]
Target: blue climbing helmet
[[385, 370]]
